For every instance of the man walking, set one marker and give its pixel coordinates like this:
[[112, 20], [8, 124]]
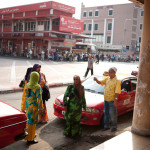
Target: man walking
[[111, 92], [90, 66], [30, 53], [42, 55]]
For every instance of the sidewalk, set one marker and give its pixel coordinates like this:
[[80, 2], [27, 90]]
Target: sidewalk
[[125, 141], [5, 90]]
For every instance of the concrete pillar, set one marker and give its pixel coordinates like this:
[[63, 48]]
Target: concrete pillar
[[49, 46], [141, 116]]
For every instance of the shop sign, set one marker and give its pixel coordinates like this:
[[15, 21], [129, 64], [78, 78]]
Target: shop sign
[[69, 42], [68, 24], [110, 46], [31, 7], [57, 44], [62, 7]]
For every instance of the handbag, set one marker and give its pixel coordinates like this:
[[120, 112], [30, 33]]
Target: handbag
[[22, 83], [45, 92]]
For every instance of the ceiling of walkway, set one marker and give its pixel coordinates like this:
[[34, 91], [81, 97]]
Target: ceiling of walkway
[[138, 2]]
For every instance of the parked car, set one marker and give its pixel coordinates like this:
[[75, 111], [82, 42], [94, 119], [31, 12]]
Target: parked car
[[135, 73], [12, 124], [94, 94]]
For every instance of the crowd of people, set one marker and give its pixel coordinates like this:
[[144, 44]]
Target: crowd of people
[[74, 56], [74, 101]]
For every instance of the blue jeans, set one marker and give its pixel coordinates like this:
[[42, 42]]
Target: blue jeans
[[110, 114]]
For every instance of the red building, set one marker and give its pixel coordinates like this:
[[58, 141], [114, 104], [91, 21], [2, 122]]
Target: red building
[[43, 26]]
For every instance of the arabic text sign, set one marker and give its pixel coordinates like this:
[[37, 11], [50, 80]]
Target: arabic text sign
[[69, 42], [68, 24], [62, 7]]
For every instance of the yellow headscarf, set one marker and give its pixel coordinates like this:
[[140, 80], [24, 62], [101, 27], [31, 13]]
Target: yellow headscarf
[[34, 79]]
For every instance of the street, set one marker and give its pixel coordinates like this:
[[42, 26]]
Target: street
[[13, 70], [50, 135]]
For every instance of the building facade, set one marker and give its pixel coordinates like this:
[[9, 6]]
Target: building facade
[[114, 26], [47, 26]]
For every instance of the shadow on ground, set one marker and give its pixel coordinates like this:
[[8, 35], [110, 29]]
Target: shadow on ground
[[92, 136]]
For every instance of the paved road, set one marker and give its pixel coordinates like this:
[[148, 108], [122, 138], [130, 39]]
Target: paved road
[[50, 135], [12, 70]]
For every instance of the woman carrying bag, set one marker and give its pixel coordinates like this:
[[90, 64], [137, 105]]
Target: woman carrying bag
[[33, 105]]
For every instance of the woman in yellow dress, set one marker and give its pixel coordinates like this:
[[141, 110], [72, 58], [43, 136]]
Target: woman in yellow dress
[[33, 105], [23, 103]]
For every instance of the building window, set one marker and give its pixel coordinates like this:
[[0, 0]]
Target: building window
[[141, 26], [90, 27], [109, 26], [84, 27], [110, 12], [55, 22], [96, 27], [19, 26], [40, 23], [7, 24], [108, 39], [142, 13], [96, 13], [30, 26], [139, 39], [84, 14], [46, 25], [90, 13]]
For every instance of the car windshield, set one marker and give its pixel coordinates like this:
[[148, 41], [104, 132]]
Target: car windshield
[[91, 85]]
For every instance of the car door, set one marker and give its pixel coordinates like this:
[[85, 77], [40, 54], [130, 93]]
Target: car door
[[124, 99]]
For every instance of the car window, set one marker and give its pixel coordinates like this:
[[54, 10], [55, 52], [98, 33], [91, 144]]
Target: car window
[[125, 86], [91, 85], [134, 83]]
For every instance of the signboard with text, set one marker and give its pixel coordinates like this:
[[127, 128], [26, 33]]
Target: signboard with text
[[62, 7], [68, 24], [31, 7], [69, 42], [39, 6]]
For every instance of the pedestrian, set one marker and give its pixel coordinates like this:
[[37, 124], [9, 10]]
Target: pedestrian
[[73, 108], [111, 92], [36, 67], [90, 66], [97, 59], [33, 105], [23, 103], [42, 55], [43, 116], [30, 53]]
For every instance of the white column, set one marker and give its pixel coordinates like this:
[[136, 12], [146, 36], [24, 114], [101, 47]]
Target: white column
[[104, 38], [49, 46], [92, 30], [50, 24], [112, 31]]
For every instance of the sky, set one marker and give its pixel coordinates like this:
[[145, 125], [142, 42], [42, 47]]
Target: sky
[[74, 3]]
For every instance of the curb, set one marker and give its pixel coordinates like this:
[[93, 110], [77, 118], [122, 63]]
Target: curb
[[18, 89]]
